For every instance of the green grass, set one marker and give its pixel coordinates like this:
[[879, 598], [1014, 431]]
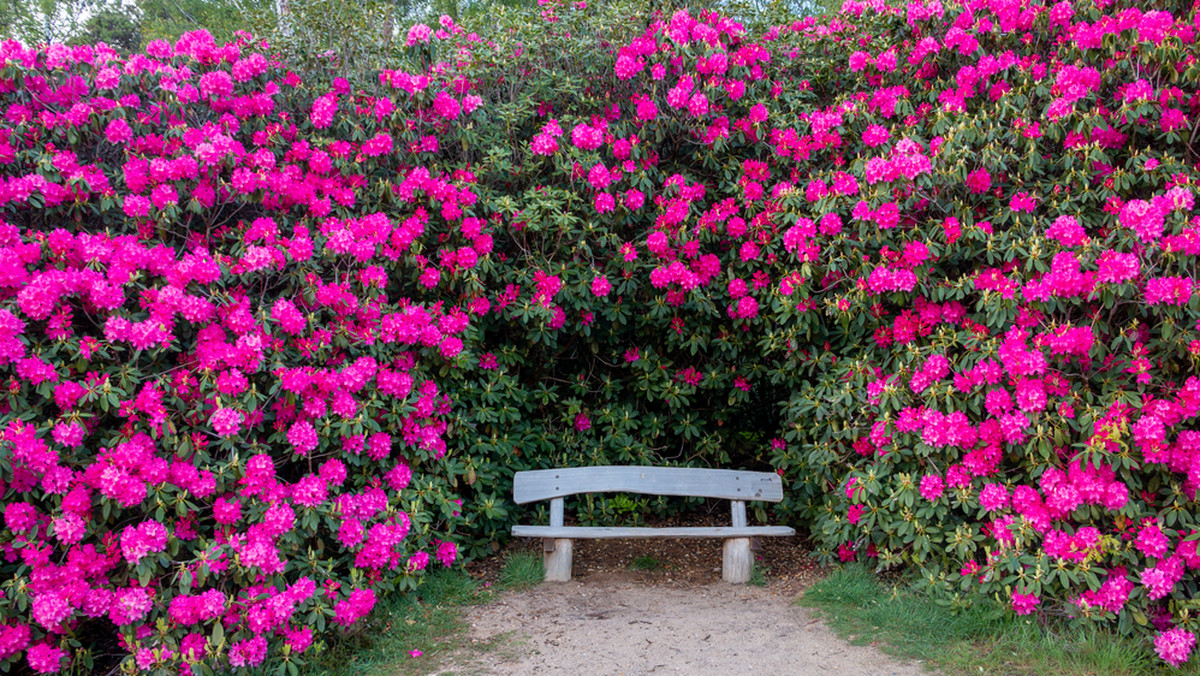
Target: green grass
[[645, 562], [982, 639], [522, 570], [429, 620]]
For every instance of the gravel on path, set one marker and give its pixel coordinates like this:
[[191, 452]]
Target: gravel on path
[[616, 624]]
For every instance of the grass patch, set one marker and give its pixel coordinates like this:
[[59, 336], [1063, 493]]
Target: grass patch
[[522, 570], [429, 620], [645, 563], [983, 639]]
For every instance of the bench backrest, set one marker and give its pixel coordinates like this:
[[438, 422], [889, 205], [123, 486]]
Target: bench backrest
[[545, 484]]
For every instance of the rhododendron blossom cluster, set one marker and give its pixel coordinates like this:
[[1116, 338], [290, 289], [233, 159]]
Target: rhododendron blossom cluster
[[961, 266], [934, 263], [207, 367]]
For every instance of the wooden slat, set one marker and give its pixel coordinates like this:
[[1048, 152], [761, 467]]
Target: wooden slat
[[686, 481], [548, 544], [738, 508], [585, 532]]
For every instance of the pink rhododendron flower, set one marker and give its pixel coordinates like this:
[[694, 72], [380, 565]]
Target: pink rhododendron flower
[[875, 135], [447, 553], [226, 421], [586, 137], [1023, 201], [627, 66], [1152, 542], [931, 487], [746, 307], [217, 83], [1160, 580], [323, 110], [646, 110], [979, 181], [227, 510], [51, 609], [600, 286], [118, 131], [582, 423], [598, 176], [137, 206], [399, 477], [45, 658], [1117, 267], [543, 144], [303, 437], [69, 528], [355, 607], [248, 653], [417, 562], [1169, 290], [1147, 219], [1024, 604], [447, 106], [1174, 646], [854, 513], [993, 497], [418, 34], [1067, 231], [139, 541]]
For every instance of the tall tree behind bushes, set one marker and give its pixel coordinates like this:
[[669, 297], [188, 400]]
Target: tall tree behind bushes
[[115, 24], [42, 21], [344, 39], [168, 19]]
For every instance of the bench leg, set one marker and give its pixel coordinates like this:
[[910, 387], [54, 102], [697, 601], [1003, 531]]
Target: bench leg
[[738, 562], [558, 562]]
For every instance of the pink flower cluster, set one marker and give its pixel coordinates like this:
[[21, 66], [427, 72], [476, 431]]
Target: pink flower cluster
[[1175, 645], [183, 354]]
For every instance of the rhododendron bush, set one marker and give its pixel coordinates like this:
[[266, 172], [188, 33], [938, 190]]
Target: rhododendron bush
[[933, 263], [1010, 403], [220, 437]]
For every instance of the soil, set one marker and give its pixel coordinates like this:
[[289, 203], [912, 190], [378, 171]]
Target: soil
[[679, 618]]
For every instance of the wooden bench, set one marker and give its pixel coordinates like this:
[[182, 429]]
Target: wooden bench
[[737, 486]]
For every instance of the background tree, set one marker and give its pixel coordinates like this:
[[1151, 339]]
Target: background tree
[[116, 24], [42, 21], [168, 19]]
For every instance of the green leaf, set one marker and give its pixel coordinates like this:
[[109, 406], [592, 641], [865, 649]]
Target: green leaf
[[218, 635]]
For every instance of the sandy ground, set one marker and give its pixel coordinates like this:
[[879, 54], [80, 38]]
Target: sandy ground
[[617, 624]]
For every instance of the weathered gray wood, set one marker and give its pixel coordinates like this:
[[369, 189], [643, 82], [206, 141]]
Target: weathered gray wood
[[556, 512], [587, 532], [558, 562], [556, 519], [737, 563], [739, 513], [687, 481]]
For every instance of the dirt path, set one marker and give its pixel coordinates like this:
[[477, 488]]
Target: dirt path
[[615, 623]]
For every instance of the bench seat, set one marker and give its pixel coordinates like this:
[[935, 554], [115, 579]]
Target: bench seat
[[600, 532], [736, 486]]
